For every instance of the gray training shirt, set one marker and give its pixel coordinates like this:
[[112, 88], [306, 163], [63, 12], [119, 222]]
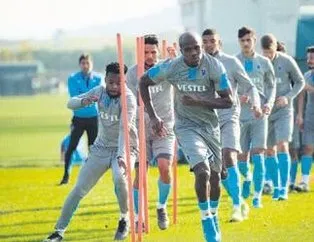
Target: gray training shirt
[[261, 72], [110, 125], [202, 81], [161, 94], [309, 109], [238, 78]]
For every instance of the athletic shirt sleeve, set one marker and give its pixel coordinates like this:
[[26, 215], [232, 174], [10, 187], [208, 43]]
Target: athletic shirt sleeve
[[160, 71]]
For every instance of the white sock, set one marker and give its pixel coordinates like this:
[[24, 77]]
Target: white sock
[[60, 231], [205, 214], [236, 206], [305, 179], [257, 195], [159, 206], [213, 211], [124, 216]]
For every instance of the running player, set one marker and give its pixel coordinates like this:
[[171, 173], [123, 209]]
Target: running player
[[158, 148], [254, 131], [229, 123], [305, 121], [289, 83], [197, 79], [108, 151]]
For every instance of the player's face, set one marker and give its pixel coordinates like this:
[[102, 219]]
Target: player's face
[[113, 84], [151, 54], [310, 60], [86, 65], [247, 43], [191, 51], [270, 53], [211, 43]]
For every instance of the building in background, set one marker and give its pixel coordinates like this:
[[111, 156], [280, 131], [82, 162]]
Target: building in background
[[265, 16]]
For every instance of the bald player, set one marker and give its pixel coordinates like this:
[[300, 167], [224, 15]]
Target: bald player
[[158, 148], [201, 85], [229, 122], [305, 120], [254, 131], [289, 83]]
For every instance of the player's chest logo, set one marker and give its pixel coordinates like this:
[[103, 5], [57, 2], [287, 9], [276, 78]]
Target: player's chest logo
[[191, 88], [156, 89], [109, 117]]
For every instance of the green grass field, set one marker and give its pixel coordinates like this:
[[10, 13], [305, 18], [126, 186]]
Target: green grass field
[[30, 200]]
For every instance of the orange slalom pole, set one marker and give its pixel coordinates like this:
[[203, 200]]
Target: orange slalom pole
[[175, 184], [126, 134], [145, 187], [142, 142], [164, 49]]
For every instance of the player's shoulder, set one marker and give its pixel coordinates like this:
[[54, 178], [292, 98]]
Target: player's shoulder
[[212, 61], [97, 75], [233, 60], [283, 57], [132, 69], [261, 58], [74, 75], [308, 74]]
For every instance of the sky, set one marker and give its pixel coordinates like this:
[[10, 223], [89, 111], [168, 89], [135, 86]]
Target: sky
[[38, 19]]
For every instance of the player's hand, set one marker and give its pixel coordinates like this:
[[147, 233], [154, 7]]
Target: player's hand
[[300, 122], [158, 127], [89, 100], [266, 109], [282, 102], [188, 100], [122, 164], [258, 113], [244, 99], [172, 52]]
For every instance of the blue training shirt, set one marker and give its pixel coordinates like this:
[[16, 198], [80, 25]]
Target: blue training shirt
[[79, 84]]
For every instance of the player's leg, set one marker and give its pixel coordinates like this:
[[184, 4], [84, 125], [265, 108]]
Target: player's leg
[[163, 149], [121, 190], [284, 129], [90, 173], [307, 156], [91, 130], [197, 154], [294, 148], [214, 195], [76, 133], [259, 139]]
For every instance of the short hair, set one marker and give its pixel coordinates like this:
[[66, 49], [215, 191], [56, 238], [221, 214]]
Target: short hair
[[114, 68], [268, 40], [85, 56], [281, 47], [209, 32], [310, 49], [151, 39], [244, 31]]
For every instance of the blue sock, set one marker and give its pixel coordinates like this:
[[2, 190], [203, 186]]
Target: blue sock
[[209, 228], [272, 164], [284, 168], [258, 173], [293, 171], [225, 184], [135, 198], [267, 170], [234, 184], [306, 164], [213, 204], [244, 168], [163, 190]]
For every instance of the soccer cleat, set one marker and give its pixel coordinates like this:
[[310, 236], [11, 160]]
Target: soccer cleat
[[246, 189], [276, 194], [162, 217], [257, 203], [245, 209], [283, 195], [302, 187], [236, 215], [292, 188], [65, 179], [54, 237], [267, 189], [122, 230], [209, 230]]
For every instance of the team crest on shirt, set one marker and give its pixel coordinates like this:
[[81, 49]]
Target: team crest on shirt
[[279, 68], [203, 71]]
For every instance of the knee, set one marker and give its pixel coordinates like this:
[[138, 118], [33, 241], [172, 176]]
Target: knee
[[307, 150], [243, 157], [257, 151], [202, 173], [270, 152], [229, 157], [283, 146]]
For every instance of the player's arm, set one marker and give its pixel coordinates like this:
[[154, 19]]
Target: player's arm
[[270, 88], [72, 87], [85, 99], [300, 113], [131, 115], [309, 88], [297, 78]]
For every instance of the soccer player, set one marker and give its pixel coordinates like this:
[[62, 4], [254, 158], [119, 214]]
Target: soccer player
[[254, 131], [158, 148], [289, 83], [84, 119], [108, 151], [197, 79], [306, 123], [229, 122]]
